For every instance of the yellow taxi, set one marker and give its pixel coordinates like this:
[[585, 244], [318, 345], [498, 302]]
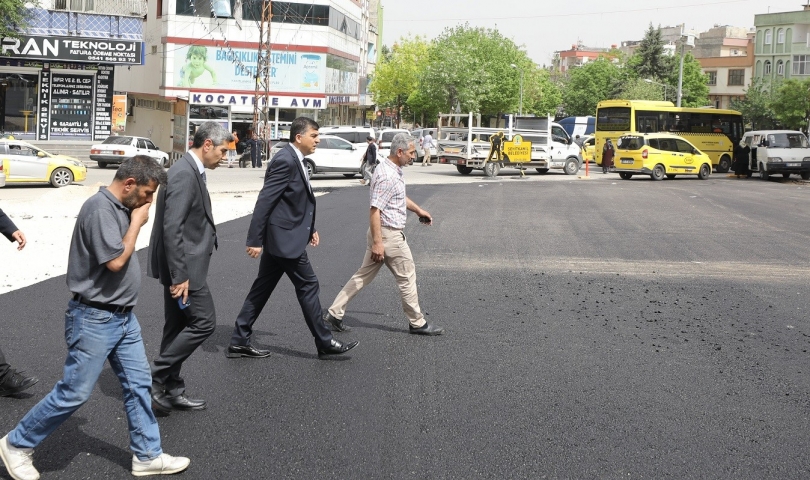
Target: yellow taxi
[[588, 149], [24, 163], [659, 155]]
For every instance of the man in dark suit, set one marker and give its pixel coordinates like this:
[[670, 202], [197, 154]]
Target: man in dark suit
[[184, 236], [283, 224], [12, 381]]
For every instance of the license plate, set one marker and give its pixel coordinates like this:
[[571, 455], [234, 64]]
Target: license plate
[[627, 161], [794, 164]]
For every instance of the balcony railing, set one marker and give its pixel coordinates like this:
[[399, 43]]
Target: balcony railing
[[126, 8]]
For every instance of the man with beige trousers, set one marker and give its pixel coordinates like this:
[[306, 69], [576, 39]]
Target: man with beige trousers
[[386, 242]]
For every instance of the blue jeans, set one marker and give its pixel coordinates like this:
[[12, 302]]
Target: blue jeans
[[92, 337]]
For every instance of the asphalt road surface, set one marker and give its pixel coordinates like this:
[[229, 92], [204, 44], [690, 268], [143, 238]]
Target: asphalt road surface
[[610, 329]]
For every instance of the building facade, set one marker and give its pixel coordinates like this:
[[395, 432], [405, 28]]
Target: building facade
[[782, 48], [202, 60], [56, 79], [726, 56]]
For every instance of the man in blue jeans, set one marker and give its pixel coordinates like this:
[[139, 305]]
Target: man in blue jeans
[[100, 326]]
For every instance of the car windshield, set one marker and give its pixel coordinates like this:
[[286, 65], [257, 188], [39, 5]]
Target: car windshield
[[787, 140], [116, 140], [389, 136], [630, 142]]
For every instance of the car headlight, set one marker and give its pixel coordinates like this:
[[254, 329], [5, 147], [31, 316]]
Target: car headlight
[[774, 159], [76, 163]]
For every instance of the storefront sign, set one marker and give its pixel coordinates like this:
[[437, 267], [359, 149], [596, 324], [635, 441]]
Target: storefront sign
[[119, 114], [249, 100], [84, 49], [71, 104], [102, 124], [196, 66], [44, 105]]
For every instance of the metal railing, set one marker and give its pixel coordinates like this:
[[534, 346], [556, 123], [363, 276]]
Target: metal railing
[[127, 8]]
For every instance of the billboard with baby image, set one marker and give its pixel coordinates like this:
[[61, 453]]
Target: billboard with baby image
[[197, 66]]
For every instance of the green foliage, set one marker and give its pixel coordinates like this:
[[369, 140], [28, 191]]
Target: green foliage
[[14, 17], [695, 87], [639, 89], [791, 103], [541, 96], [396, 77], [756, 105], [648, 60], [589, 84]]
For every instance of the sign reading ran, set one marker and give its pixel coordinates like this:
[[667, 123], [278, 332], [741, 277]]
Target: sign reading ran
[[96, 50], [517, 150]]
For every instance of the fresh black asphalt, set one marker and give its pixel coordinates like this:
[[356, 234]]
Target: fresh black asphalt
[[610, 329]]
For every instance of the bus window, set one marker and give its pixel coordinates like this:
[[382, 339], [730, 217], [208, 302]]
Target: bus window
[[613, 119], [647, 122]]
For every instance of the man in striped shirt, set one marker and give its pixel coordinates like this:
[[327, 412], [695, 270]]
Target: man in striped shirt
[[386, 242]]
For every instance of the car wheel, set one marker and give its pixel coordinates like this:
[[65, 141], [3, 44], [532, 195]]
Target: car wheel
[[763, 174], [805, 175], [464, 170], [310, 168], [705, 171], [785, 175], [61, 177], [492, 169], [658, 172], [542, 171], [571, 166], [102, 164], [625, 176], [670, 176], [724, 165]]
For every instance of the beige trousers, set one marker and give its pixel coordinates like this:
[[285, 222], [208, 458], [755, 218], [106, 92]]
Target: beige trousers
[[426, 158], [399, 260]]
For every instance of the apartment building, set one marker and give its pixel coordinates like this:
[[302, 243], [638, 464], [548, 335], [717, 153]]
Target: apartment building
[[782, 48], [726, 56]]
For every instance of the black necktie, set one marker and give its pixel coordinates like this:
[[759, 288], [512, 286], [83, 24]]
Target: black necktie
[[204, 180]]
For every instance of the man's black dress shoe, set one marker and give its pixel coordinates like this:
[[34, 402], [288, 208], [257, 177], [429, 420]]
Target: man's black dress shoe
[[236, 351], [160, 405], [182, 402], [336, 347], [336, 324], [426, 329], [15, 383]]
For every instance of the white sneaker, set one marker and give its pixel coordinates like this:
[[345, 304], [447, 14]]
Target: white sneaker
[[19, 461], [165, 464]]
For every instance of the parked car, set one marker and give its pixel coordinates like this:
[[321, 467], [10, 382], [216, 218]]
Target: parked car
[[333, 155], [659, 155], [588, 149], [25, 163], [385, 137], [356, 135], [774, 152], [117, 148]]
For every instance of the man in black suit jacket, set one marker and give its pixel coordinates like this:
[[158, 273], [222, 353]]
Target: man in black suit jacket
[[183, 238], [12, 381], [283, 224]]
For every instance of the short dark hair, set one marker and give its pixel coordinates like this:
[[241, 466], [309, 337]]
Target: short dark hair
[[430, 132], [143, 169], [369, 138], [300, 126], [211, 131]]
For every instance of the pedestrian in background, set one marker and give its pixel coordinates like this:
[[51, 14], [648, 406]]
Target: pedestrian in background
[[607, 156], [369, 160], [427, 144], [12, 381], [183, 238], [282, 226], [255, 145], [232, 149], [385, 241], [100, 326]]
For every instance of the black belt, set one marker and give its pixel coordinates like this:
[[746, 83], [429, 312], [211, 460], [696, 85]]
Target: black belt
[[102, 306]]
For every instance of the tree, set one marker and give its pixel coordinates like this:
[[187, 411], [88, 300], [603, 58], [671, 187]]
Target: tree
[[589, 84], [648, 60], [791, 103], [397, 75], [470, 70], [14, 17], [756, 105], [639, 89], [541, 96], [695, 86]]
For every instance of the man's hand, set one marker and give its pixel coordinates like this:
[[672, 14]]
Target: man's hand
[[140, 215], [378, 252], [180, 290], [19, 236], [254, 252], [315, 240]]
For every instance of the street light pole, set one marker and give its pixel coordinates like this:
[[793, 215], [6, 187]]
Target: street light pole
[[520, 105]]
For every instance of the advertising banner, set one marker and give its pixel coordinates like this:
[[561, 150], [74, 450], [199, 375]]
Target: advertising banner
[[71, 104], [196, 66], [96, 50], [119, 114], [102, 114]]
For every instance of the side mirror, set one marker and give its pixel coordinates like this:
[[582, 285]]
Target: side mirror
[[695, 151], [41, 154], [354, 148]]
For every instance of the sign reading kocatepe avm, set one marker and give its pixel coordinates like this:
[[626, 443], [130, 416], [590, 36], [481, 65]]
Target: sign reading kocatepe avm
[[97, 50]]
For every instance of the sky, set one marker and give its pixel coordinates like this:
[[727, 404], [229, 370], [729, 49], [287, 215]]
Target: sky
[[543, 26]]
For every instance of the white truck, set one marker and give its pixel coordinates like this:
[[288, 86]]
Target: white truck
[[464, 143]]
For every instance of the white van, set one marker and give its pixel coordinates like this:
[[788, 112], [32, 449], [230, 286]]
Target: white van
[[777, 151], [356, 135]]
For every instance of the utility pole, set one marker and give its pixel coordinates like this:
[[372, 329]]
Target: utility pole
[[261, 105]]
